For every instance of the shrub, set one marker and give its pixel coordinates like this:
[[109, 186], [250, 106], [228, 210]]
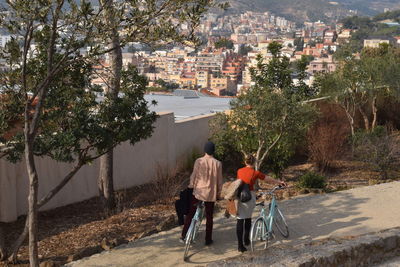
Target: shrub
[[312, 180], [376, 148], [327, 138], [388, 111], [167, 184], [225, 149], [188, 162]]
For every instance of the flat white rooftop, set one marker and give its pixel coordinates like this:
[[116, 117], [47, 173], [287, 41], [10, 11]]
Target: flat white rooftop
[[188, 107]]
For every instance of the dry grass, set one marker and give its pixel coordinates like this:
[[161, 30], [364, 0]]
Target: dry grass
[[327, 138], [167, 184]]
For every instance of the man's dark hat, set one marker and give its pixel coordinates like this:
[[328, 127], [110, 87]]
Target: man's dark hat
[[209, 148]]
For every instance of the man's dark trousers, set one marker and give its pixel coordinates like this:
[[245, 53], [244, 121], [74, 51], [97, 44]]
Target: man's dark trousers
[[209, 208]]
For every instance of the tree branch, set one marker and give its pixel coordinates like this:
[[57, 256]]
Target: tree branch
[[55, 190]]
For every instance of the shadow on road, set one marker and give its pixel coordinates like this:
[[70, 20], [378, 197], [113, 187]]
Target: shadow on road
[[324, 215]]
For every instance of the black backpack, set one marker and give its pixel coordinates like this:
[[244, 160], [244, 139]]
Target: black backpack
[[244, 193]]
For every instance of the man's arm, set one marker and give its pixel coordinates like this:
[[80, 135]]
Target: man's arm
[[219, 181], [194, 174]]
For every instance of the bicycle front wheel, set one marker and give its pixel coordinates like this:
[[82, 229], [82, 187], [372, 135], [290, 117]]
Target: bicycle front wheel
[[189, 238], [280, 223], [258, 234]]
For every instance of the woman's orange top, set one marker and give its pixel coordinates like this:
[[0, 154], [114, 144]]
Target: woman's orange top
[[249, 176]]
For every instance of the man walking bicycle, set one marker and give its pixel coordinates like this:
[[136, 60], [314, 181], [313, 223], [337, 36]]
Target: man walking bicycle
[[206, 181]]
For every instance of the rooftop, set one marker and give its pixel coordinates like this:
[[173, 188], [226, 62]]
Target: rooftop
[[184, 108]]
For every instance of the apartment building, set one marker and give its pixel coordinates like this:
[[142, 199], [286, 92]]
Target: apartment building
[[397, 40], [345, 34], [374, 43], [210, 61], [233, 67], [221, 85], [323, 64], [203, 78], [330, 36], [188, 80]]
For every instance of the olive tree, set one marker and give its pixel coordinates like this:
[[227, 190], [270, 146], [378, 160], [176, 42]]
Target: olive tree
[[357, 83], [46, 83], [271, 116], [148, 22], [49, 106]]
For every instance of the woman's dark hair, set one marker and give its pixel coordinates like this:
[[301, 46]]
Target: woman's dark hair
[[249, 159]]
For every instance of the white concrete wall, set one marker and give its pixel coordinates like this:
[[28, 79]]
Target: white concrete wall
[[134, 165]]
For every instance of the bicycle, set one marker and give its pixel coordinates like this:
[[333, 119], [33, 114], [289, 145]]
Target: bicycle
[[261, 229], [194, 228]]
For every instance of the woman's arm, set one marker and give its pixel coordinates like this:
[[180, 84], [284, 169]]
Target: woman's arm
[[271, 180]]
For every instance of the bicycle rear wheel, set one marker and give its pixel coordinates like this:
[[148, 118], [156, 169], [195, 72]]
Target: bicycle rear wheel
[[189, 238], [280, 223], [258, 233]]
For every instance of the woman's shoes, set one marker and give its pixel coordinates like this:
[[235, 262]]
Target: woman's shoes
[[242, 249]]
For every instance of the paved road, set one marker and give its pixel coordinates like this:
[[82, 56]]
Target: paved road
[[395, 262], [351, 212]]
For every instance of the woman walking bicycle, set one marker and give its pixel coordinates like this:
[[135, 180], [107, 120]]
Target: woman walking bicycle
[[249, 176]]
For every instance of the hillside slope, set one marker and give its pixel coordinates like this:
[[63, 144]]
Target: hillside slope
[[303, 10], [296, 10], [370, 7]]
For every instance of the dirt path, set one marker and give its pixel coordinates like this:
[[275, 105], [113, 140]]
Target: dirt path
[[351, 212], [395, 262]]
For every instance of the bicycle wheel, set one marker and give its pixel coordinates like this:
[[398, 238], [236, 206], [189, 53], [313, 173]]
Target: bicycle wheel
[[280, 223], [258, 233], [189, 238]]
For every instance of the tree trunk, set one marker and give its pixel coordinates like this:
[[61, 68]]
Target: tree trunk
[[106, 185], [257, 167], [350, 119], [3, 253], [106, 179], [374, 114], [365, 118], [32, 205]]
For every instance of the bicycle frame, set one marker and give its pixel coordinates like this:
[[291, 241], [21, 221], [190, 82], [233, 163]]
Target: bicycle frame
[[193, 228], [261, 230], [271, 215], [268, 218], [198, 217]]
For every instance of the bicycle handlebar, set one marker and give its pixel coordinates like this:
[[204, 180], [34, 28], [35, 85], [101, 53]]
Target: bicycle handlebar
[[278, 187]]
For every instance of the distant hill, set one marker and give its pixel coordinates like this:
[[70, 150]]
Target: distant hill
[[306, 10], [295, 10], [303, 10], [370, 7]]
